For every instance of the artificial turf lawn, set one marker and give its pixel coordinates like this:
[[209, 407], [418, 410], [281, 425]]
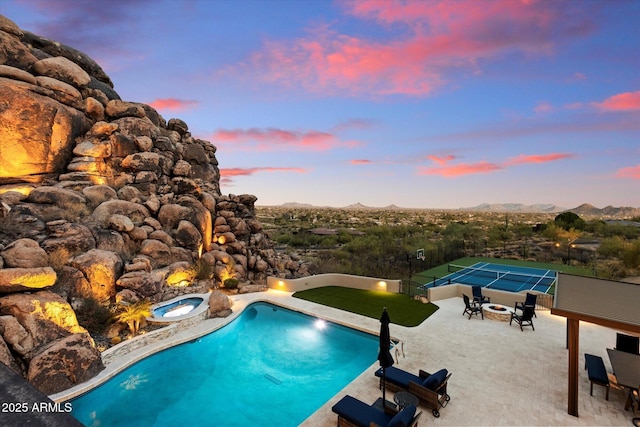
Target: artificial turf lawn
[[402, 310]]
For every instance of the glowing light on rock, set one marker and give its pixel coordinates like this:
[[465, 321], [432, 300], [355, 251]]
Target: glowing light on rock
[[179, 278]]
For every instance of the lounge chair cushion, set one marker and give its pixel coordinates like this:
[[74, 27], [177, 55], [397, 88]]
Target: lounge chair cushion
[[359, 413], [398, 376], [433, 381], [403, 418]]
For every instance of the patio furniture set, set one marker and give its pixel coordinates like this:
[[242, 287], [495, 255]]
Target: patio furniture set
[[482, 304], [428, 390], [625, 362]]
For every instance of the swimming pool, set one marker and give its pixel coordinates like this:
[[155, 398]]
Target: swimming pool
[[270, 366]]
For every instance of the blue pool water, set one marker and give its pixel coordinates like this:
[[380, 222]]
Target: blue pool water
[[270, 366]]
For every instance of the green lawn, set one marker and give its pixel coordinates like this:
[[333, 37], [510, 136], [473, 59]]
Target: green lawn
[[402, 309]]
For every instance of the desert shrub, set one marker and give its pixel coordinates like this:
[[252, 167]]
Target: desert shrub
[[134, 315], [231, 283], [73, 212], [58, 258], [92, 316], [202, 270]]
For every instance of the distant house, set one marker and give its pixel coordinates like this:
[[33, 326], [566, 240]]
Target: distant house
[[323, 231]]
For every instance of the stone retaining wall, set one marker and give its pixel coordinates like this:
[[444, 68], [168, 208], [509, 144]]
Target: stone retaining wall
[[126, 347], [333, 279]]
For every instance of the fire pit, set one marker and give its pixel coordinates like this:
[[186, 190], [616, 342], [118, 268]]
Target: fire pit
[[497, 312]]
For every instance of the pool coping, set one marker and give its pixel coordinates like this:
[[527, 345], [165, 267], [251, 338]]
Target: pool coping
[[176, 335]]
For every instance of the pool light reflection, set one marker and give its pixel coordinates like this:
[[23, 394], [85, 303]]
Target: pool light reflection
[[320, 324]]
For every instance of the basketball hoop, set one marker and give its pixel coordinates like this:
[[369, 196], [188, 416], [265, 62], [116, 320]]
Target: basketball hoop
[[420, 254]]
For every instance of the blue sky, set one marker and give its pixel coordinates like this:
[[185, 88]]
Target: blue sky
[[422, 104]]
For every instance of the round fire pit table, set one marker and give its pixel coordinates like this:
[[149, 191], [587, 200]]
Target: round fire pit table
[[497, 312]]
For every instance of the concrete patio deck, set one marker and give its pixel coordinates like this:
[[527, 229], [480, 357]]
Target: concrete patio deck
[[501, 376]]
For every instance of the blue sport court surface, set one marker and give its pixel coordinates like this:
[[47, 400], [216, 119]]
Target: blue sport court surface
[[509, 278]]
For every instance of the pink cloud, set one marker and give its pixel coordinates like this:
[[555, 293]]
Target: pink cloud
[[632, 172], [537, 158], [360, 162], [441, 160], [230, 172], [543, 107], [441, 37], [172, 104], [448, 170], [272, 139], [628, 101], [460, 169], [227, 175]]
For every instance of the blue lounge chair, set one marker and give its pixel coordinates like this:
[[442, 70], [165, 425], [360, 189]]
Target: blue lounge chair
[[355, 413], [430, 389]]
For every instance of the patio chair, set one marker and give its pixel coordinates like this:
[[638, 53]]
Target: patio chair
[[355, 413], [530, 300], [471, 308], [430, 389], [524, 319], [628, 343], [477, 295]]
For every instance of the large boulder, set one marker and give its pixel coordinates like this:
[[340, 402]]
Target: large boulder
[[24, 253], [15, 335], [219, 304], [72, 238], [158, 252], [7, 358], [33, 149], [60, 68], [44, 315], [136, 212], [101, 268], [65, 362], [142, 283], [26, 279]]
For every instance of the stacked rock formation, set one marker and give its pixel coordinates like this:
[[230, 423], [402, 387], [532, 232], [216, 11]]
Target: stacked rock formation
[[103, 198]]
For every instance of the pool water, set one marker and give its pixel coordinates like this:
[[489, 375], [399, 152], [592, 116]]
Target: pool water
[[270, 366]]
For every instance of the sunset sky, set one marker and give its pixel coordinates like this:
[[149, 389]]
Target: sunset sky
[[421, 104]]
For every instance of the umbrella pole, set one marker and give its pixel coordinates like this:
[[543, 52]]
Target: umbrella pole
[[384, 387]]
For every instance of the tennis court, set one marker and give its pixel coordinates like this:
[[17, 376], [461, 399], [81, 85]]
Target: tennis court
[[509, 278]]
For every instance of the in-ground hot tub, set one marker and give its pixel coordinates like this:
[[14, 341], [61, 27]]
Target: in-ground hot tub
[[179, 308]]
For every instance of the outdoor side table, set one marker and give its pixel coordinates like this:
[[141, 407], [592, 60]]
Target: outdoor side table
[[404, 399]]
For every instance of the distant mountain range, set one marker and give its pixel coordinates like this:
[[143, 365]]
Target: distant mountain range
[[583, 210]]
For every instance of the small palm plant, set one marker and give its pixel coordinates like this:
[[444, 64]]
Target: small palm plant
[[133, 315]]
